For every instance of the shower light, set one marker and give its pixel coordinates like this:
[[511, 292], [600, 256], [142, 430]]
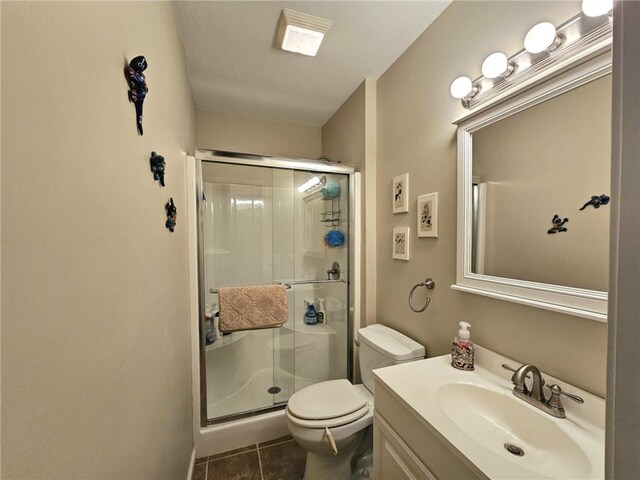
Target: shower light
[[301, 33], [541, 37], [497, 64], [312, 183], [462, 87], [595, 8]]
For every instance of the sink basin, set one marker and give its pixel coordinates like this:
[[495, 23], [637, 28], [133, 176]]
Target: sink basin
[[494, 419], [478, 416]]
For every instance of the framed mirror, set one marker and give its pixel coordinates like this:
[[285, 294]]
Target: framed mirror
[[533, 187]]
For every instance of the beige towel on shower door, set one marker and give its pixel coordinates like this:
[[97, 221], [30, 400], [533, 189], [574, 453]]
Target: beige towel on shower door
[[249, 308]]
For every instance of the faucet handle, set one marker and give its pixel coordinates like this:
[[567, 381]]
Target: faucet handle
[[508, 367], [556, 391]]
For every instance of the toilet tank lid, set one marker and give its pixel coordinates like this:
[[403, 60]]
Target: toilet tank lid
[[390, 343]]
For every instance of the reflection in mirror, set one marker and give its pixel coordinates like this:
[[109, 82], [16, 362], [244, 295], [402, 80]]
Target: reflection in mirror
[[547, 160]]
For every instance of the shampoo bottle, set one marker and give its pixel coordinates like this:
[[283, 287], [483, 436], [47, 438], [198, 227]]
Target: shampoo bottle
[[462, 349]]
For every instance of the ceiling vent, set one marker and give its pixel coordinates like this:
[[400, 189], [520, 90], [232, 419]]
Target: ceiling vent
[[301, 33]]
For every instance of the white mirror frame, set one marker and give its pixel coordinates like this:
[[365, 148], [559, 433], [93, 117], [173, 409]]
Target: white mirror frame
[[577, 70]]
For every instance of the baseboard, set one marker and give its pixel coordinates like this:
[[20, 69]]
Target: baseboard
[[191, 463]]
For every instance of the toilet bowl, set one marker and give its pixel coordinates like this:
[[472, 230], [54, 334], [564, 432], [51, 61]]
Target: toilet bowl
[[332, 420]]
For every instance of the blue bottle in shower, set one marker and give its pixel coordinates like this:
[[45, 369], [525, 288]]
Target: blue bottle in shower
[[311, 316]]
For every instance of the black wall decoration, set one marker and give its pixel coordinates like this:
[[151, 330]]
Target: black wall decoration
[[172, 215], [596, 201], [558, 225], [137, 86], [157, 164]]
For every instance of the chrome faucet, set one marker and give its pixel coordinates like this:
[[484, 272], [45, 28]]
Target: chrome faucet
[[535, 396]]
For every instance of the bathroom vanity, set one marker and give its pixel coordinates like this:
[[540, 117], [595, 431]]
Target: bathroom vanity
[[435, 422], [419, 452]]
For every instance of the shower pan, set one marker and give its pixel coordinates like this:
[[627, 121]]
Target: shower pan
[[264, 220]]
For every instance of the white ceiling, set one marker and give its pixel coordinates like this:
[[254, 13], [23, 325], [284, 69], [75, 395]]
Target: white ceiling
[[234, 68]]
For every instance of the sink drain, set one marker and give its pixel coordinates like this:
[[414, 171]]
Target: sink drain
[[513, 449], [274, 390]]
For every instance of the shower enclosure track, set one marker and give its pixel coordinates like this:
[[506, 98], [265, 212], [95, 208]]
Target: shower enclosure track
[[288, 285]]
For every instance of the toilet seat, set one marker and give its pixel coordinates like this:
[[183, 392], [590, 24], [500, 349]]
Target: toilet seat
[[327, 404], [329, 422]]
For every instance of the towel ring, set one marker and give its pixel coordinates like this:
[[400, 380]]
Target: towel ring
[[429, 283]]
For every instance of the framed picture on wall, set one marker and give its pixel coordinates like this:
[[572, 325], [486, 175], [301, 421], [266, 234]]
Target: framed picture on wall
[[428, 215], [401, 193], [401, 243]]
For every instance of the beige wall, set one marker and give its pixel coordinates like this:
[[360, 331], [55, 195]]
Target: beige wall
[[343, 136], [533, 172], [249, 135], [415, 135], [95, 332], [343, 139]]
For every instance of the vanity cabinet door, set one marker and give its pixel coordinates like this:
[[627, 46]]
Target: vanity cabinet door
[[392, 458]]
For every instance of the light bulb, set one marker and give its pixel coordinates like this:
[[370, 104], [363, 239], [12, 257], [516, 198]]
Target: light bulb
[[595, 8], [541, 37], [309, 184], [461, 87], [495, 65]]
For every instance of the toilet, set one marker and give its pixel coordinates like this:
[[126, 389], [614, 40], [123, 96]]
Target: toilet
[[332, 420]]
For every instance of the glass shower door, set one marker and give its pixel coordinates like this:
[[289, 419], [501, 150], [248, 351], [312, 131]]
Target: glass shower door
[[261, 227]]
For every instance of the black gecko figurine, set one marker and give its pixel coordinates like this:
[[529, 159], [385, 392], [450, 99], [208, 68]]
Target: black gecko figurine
[[597, 201], [172, 215], [157, 167], [137, 86], [558, 225]]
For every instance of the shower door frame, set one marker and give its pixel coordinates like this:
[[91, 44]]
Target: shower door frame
[[247, 159]]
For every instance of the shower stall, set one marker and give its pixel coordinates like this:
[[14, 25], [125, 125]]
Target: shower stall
[[262, 221]]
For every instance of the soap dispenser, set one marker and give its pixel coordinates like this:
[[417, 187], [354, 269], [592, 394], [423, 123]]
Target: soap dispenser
[[462, 349]]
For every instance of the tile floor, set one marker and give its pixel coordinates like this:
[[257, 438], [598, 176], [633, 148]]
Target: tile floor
[[280, 459]]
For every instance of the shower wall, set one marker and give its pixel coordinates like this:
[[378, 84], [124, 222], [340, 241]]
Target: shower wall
[[260, 229]]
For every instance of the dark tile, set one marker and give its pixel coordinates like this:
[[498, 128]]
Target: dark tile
[[244, 466], [201, 460], [284, 461], [286, 438], [248, 448], [200, 472]]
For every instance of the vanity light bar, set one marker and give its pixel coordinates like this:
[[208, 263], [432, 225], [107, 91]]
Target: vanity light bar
[[544, 45]]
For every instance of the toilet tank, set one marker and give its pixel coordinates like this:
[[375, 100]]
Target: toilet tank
[[382, 346]]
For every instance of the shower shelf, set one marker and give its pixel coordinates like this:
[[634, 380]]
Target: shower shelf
[[332, 217], [227, 340], [317, 329]]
